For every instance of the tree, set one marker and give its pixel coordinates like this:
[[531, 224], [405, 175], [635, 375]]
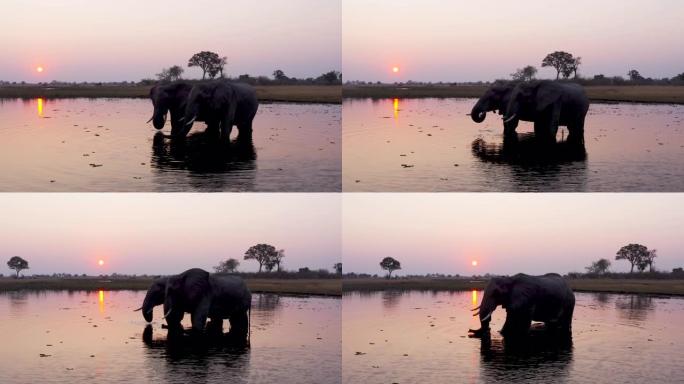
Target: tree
[[599, 267], [221, 64], [332, 77], [389, 264], [524, 74], [279, 75], [679, 77], [574, 66], [227, 266], [275, 260], [175, 72], [559, 60], [634, 75], [262, 253], [648, 261], [338, 268], [634, 253], [207, 61], [18, 264]]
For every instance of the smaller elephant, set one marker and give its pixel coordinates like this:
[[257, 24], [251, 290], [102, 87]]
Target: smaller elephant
[[222, 104], [549, 104], [204, 296], [525, 298], [170, 98]]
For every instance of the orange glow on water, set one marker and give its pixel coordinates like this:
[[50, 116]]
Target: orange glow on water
[[395, 106], [101, 298], [474, 297], [40, 106]]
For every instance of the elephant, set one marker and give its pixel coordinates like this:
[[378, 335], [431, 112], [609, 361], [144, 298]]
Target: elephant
[[222, 104], [549, 104], [525, 298], [496, 99], [171, 98], [203, 295]]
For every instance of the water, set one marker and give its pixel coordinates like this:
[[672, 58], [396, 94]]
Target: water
[[414, 337], [80, 145], [96, 337], [629, 147]]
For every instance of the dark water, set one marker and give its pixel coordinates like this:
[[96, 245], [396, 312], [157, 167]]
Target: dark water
[[96, 337], [425, 145], [79, 145], [421, 337]]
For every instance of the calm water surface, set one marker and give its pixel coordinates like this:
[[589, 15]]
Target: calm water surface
[[421, 337], [78, 145], [75, 337], [425, 145]]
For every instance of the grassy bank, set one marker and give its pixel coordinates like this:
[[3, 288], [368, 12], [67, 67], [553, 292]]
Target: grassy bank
[[265, 93], [596, 93], [330, 287], [663, 287]]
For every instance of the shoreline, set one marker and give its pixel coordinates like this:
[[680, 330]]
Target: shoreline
[[647, 94], [315, 94], [671, 287], [319, 287]]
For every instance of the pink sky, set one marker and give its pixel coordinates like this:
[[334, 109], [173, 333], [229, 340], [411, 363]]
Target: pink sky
[[507, 233], [165, 233], [463, 40], [84, 40]]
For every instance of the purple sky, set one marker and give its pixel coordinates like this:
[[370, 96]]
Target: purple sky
[[161, 233], [464, 40], [508, 233], [85, 40]]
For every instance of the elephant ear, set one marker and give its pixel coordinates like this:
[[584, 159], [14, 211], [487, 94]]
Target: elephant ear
[[546, 95], [223, 97], [521, 296], [195, 285]]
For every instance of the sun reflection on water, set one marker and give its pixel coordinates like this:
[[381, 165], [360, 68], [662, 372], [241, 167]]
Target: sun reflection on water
[[40, 107], [395, 105], [101, 298], [474, 297]]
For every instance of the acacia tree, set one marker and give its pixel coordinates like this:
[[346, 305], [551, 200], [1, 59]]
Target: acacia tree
[[227, 266], [207, 61], [526, 73], [599, 267], [561, 61], [634, 253], [390, 264], [262, 253], [18, 264]]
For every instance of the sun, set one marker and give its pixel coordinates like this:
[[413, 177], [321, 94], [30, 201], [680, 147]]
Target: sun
[[100, 262], [473, 263], [39, 69], [395, 69]]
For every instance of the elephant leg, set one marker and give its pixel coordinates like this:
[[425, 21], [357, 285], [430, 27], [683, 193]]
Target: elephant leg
[[215, 327], [199, 315], [226, 129], [245, 131], [509, 128], [239, 325], [576, 132], [517, 323]]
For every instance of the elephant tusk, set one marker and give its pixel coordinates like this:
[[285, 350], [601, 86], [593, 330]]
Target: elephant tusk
[[167, 313], [476, 313], [486, 317], [476, 308], [149, 120], [191, 121], [510, 118], [181, 119], [136, 310]]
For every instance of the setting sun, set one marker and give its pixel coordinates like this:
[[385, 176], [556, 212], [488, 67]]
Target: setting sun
[[395, 69], [100, 262], [473, 263], [39, 69]]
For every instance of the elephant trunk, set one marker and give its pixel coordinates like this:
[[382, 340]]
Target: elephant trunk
[[159, 118], [487, 307], [479, 112], [147, 308]]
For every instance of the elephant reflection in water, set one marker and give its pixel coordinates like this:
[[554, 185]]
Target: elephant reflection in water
[[200, 154], [525, 149]]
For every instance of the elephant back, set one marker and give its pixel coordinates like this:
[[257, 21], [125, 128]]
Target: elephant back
[[229, 294]]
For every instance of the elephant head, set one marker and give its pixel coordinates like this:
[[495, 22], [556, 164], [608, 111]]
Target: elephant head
[[494, 99], [496, 293], [154, 297], [214, 101], [169, 98], [535, 96], [186, 292]]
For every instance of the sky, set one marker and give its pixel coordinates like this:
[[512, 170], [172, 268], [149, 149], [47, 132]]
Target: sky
[[166, 233], [85, 40], [465, 40], [507, 233]]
